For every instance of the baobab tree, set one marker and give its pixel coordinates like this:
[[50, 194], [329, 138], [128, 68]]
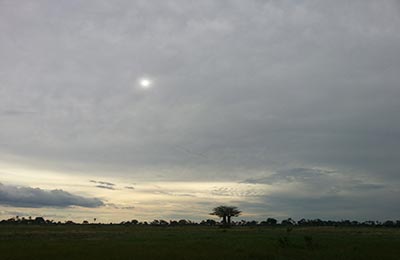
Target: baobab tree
[[226, 212]]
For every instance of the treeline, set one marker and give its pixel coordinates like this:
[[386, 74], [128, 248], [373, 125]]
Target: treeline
[[210, 222]]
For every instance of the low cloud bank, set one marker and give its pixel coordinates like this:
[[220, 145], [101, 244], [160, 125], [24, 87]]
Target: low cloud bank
[[18, 196]]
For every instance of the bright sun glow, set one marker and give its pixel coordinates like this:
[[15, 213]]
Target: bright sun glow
[[145, 83]]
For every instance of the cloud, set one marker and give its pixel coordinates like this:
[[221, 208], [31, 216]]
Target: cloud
[[103, 182], [104, 185], [292, 175], [316, 178], [128, 207], [170, 193], [375, 204], [368, 186], [18, 196], [317, 192], [124, 207], [243, 191], [12, 112]]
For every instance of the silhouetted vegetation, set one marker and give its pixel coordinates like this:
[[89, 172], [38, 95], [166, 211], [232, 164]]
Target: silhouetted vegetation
[[288, 223], [267, 239]]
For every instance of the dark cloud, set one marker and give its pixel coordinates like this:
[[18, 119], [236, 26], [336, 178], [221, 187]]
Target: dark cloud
[[368, 186], [36, 198], [317, 178], [115, 206], [105, 187], [129, 187], [372, 205], [315, 192], [105, 183], [127, 207]]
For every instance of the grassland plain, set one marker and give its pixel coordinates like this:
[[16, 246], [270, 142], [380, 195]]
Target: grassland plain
[[196, 242]]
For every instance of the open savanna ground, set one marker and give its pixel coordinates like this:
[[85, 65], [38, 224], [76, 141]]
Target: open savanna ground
[[195, 242]]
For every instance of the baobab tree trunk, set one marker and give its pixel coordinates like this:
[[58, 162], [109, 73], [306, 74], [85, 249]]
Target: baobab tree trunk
[[229, 220], [224, 219]]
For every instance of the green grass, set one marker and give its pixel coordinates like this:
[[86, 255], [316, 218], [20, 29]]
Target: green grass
[[130, 242]]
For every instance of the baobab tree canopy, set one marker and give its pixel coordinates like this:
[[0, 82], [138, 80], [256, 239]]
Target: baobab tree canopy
[[226, 212]]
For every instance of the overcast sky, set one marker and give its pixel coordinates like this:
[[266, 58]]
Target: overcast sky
[[282, 108]]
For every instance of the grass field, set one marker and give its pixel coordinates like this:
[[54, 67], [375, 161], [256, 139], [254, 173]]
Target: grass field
[[141, 242]]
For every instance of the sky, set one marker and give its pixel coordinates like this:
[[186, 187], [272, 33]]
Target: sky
[[281, 108]]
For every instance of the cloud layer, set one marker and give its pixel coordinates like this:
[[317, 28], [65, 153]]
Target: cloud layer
[[36, 198], [250, 85], [325, 193]]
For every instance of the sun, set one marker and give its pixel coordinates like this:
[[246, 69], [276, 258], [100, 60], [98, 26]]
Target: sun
[[145, 83]]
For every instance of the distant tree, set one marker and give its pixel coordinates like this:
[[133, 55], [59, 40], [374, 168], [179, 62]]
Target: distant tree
[[183, 222], [208, 222], [163, 222], [369, 223], [271, 221], [226, 212], [251, 223], [39, 220], [389, 223], [288, 222], [155, 222], [173, 223]]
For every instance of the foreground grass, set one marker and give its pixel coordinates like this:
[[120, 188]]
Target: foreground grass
[[130, 242]]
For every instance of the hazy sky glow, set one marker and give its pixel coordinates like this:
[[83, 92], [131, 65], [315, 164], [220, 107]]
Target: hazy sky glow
[[282, 108]]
